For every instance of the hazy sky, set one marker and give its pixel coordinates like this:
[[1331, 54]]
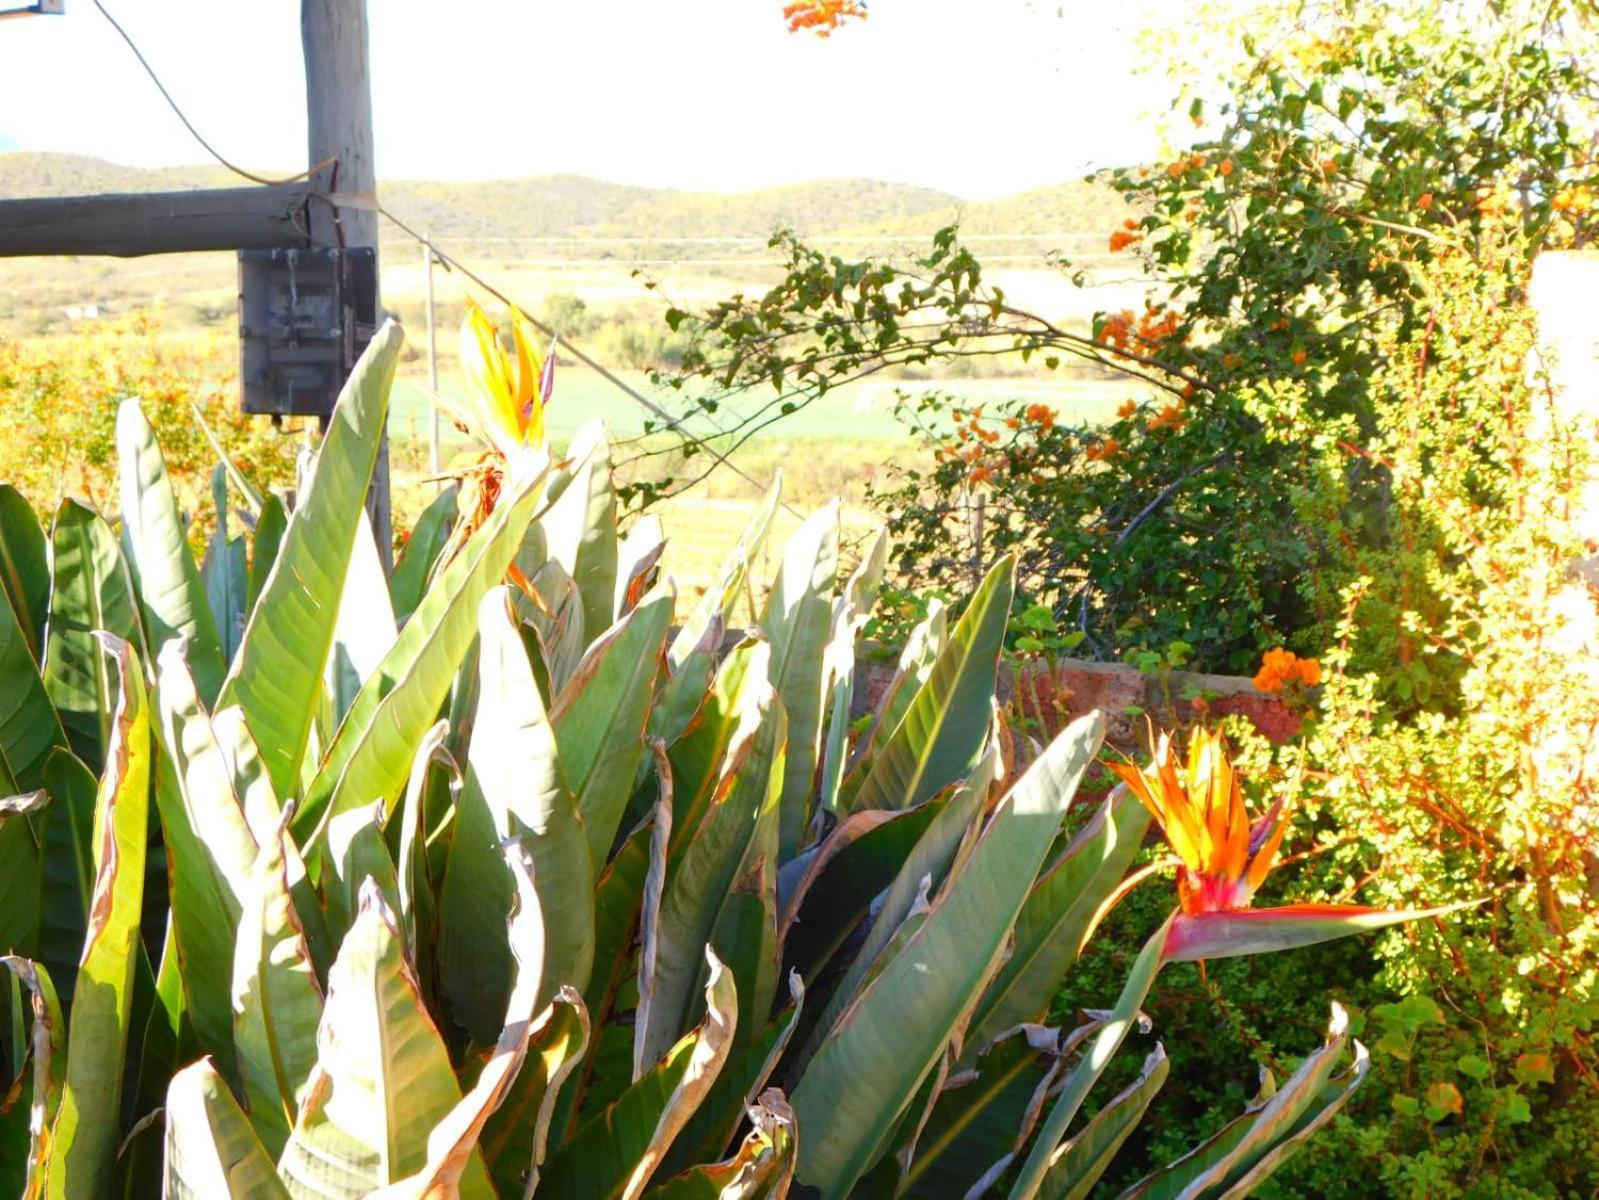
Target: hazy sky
[[978, 97]]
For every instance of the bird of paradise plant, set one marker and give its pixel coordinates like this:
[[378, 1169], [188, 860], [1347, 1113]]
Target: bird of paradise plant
[[1222, 857], [502, 407]]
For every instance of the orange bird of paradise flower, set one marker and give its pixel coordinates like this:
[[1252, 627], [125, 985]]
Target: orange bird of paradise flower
[[1223, 857]]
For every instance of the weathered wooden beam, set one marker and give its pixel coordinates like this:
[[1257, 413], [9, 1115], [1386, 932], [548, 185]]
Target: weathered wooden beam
[[157, 222]]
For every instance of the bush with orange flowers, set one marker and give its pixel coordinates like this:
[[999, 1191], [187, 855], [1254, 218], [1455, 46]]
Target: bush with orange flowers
[[822, 17]]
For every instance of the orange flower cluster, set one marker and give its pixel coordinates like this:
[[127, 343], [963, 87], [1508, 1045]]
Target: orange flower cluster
[[1117, 329], [823, 16], [1279, 668], [1126, 409], [1225, 168], [1158, 324], [1127, 235], [1041, 415], [1574, 199], [1171, 417], [1102, 451], [1155, 325]]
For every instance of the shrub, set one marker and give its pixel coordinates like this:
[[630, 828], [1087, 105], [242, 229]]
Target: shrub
[[463, 888]]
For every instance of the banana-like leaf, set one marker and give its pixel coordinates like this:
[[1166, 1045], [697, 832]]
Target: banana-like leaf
[[277, 676], [370, 758], [1233, 932], [66, 866], [618, 901], [922, 873], [212, 1153], [683, 693], [415, 887], [720, 891], [90, 590], [429, 536], [225, 574], [514, 1139], [271, 523], [24, 568], [514, 789], [1078, 1165], [556, 619], [638, 563], [796, 622], [47, 1047], [922, 648], [600, 717], [357, 854], [29, 727], [720, 599], [882, 1047], [19, 860], [983, 1113], [210, 850], [451, 1143], [942, 732], [1234, 1162], [170, 591], [613, 1156], [277, 1001], [1091, 1065], [737, 1088], [365, 631], [84, 1135], [697, 757], [763, 1168], [581, 527], [854, 865], [1057, 916], [851, 611], [382, 1079]]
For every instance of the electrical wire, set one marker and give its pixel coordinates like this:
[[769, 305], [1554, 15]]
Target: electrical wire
[[337, 202]]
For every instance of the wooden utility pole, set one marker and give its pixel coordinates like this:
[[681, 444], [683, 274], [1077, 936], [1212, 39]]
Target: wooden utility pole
[[338, 109]]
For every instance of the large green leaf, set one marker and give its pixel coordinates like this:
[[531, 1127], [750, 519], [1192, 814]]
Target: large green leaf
[[514, 1139], [851, 868], [762, 1168], [356, 854], [923, 645], [89, 590], [209, 847], [277, 1001], [717, 604], [171, 595], [66, 866], [212, 1153], [277, 676], [47, 1046], [29, 727], [24, 568], [581, 527], [429, 536], [365, 630], [1078, 1165], [514, 789], [883, 1046], [84, 1136], [370, 758], [721, 891], [729, 711], [600, 718], [613, 1156], [1091, 1064], [942, 732], [382, 1079], [796, 622], [1234, 1162], [983, 1115], [270, 526], [19, 862], [638, 563], [1057, 916], [851, 611]]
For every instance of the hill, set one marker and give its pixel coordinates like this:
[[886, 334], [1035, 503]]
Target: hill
[[570, 206]]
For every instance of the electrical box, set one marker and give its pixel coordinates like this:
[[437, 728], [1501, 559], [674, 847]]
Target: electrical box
[[305, 316], [37, 8]]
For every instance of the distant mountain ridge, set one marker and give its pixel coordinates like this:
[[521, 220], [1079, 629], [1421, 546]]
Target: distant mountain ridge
[[574, 206]]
